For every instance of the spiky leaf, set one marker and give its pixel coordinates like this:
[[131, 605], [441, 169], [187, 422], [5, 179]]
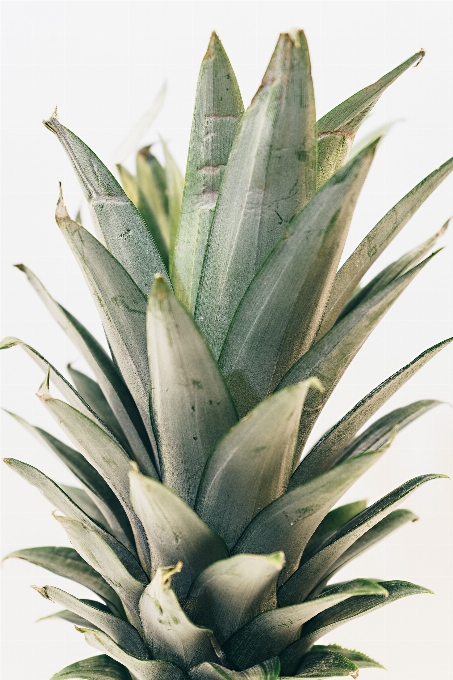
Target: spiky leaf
[[100, 667]]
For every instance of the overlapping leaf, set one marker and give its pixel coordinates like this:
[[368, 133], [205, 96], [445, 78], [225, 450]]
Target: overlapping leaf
[[218, 109], [100, 667], [269, 177], [333, 521], [269, 670]]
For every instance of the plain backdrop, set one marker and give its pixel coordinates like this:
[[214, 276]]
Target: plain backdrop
[[102, 63]]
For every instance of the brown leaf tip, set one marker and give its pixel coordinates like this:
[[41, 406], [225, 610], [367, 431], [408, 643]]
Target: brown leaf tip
[[214, 42], [422, 53]]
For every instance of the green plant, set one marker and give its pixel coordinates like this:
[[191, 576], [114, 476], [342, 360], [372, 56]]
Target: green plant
[[209, 544]]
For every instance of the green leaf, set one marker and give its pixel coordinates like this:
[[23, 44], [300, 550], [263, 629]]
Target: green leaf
[[269, 177], [337, 129], [117, 220], [386, 526], [252, 464], [392, 271], [60, 500], [271, 632], [381, 430], [119, 630], [328, 358], [375, 242], [326, 621], [136, 195], [333, 521], [67, 563], [141, 669], [290, 521], [175, 532], [280, 312], [106, 455], [361, 660], [174, 183], [85, 503], [128, 583], [151, 180], [100, 667], [218, 109], [130, 143], [327, 451], [325, 663], [66, 615], [168, 631], [312, 571], [269, 670], [121, 306], [110, 382], [229, 593], [191, 406]]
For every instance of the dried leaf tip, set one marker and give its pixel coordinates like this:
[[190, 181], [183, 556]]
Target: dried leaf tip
[[444, 227], [422, 53], [61, 212], [214, 43], [166, 573], [49, 122], [41, 591], [23, 268], [44, 391]]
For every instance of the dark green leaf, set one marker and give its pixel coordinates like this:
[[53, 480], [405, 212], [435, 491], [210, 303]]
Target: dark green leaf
[[375, 242], [111, 383], [100, 667], [333, 521], [85, 502], [252, 464], [290, 521], [312, 571], [142, 670], [328, 358], [327, 450], [269, 670], [337, 129], [273, 631], [174, 531], [218, 109], [116, 218], [115, 570], [270, 176], [67, 563], [168, 631], [229, 593], [325, 663], [119, 630], [191, 406], [326, 621], [121, 306], [280, 312], [361, 660]]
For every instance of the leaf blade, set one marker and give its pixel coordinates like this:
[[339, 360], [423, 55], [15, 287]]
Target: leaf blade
[[100, 667]]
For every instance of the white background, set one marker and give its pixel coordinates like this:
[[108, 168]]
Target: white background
[[102, 63]]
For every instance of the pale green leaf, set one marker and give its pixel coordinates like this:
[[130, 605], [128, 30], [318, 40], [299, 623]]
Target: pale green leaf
[[375, 242], [338, 127], [271, 632], [229, 593], [170, 635], [312, 571], [175, 532], [121, 306], [100, 667], [218, 109], [111, 383], [252, 464], [140, 128], [269, 177], [66, 562], [152, 182], [392, 271], [115, 570], [174, 184], [85, 503], [327, 450], [191, 406], [290, 521], [325, 663], [269, 670], [330, 619], [328, 358], [359, 658], [119, 630], [333, 521], [115, 217], [141, 669], [280, 312], [106, 455], [66, 615]]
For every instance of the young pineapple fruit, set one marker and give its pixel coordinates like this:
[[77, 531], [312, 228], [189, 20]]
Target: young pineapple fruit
[[209, 545]]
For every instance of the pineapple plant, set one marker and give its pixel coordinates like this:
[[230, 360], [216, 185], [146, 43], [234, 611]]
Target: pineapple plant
[[205, 528]]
